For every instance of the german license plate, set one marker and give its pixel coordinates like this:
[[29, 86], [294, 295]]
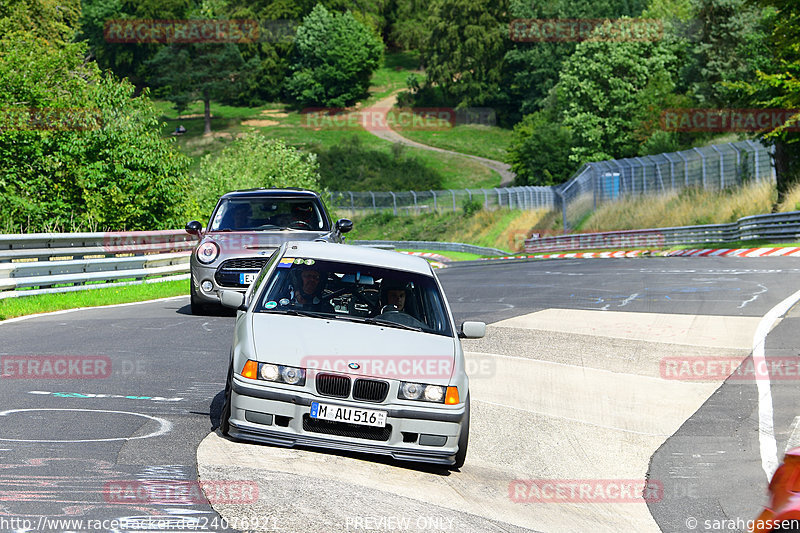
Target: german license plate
[[247, 279], [338, 413]]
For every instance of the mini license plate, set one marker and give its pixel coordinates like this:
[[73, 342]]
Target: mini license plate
[[338, 413], [247, 279]]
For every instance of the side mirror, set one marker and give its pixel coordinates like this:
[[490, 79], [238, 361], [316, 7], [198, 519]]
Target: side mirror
[[472, 330], [232, 299], [194, 228], [344, 225]]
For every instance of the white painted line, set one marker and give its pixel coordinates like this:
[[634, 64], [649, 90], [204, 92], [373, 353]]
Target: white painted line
[[165, 426], [766, 426]]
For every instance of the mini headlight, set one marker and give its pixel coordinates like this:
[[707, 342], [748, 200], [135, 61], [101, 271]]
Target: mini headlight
[[293, 376], [421, 391], [434, 393], [269, 372], [207, 252], [410, 391]]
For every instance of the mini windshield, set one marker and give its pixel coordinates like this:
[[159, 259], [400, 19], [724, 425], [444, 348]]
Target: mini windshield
[[360, 293], [254, 213]]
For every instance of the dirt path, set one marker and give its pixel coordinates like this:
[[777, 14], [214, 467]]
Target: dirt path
[[385, 133]]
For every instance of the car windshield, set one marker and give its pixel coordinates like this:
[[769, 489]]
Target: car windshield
[[355, 292], [252, 214]]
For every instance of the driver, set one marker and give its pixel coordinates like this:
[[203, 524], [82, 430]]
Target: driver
[[306, 290], [394, 293], [303, 214]]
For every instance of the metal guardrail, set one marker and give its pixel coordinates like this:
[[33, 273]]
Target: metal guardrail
[[778, 227], [434, 245], [40, 261]]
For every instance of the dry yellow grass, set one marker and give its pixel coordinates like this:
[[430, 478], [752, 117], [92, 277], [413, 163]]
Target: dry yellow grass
[[684, 208], [504, 229], [791, 202]]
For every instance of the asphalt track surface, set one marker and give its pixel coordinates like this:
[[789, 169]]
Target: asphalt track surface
[[598, 326]]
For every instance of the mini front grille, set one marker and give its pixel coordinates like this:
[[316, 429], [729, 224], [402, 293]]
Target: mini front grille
[[244, 263], [370, 390], [229, 279], [332, 385], [341, 429]]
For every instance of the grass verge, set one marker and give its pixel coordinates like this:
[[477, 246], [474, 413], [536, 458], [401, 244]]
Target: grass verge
[[43, 303], [454, 256]]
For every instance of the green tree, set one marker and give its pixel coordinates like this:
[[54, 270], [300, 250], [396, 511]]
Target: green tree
[[539, 151], [93, 158], [465, 49], [249, 162], [126, 60], [205, 71], [732, 44], [409, 29], [605, 85], [335, 56], [52, 20], [778, 86]]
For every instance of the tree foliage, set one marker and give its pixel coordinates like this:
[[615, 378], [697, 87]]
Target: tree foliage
[[249, 162], [335, 56], [539, 151], [108, 169], [465, 48]]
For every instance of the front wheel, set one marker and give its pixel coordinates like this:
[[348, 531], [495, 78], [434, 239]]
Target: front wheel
[[463, 439], [225, 417]]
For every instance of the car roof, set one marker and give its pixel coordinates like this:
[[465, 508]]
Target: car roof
[[261, 193], [347, 253]]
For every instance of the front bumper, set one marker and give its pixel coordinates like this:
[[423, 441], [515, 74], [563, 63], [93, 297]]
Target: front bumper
[[278, 417]]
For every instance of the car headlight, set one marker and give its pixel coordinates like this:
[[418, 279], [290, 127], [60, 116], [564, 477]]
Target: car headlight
[[421, 392], [275, 373], [207, 252]]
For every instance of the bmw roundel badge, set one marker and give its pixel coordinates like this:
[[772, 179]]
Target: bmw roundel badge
[[354, 366]]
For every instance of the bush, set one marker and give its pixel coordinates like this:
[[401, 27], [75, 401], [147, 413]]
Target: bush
[[335, 56], [351, 166], [471, 207], [109, 170], [249, 162], [539, 151]]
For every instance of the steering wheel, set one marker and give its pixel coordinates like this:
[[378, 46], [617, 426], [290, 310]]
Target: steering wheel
[[302, 223]]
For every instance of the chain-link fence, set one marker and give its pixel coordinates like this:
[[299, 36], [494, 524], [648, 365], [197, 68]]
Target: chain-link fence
[[710, 167], [415, 202]]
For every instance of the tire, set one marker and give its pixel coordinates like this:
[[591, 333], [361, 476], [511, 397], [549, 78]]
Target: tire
[[225, 416], [196, 307], [463, 440]]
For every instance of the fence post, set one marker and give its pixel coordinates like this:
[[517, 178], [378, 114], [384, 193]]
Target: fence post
[[685, 168], [352, 203], [755, 159], [703, 159], [671, 171], [454, 199], [416, 209], [738, 162], [374, 207], [721, 167], [434, 200], [394, 202], [499, 202], [644, 175]]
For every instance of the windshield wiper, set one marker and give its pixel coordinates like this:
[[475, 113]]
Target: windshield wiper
[[298, 312], [378, 322]]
